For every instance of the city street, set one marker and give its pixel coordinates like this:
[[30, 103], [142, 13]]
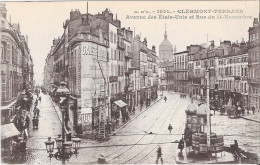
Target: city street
[[138, 141], [49, 126]]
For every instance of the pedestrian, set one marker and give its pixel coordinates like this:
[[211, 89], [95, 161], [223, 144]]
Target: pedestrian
[[243, 111], [165, 99], [36, 102], [159, 155], [181, 145], [26, 122], [129, 110], [101, 160], [35, 122], [133, 110], [36, 111], [253, 109], [235, 149], [170, 128]]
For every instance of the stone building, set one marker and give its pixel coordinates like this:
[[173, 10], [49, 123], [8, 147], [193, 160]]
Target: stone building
[[180, 72], [254, 64], [16, 67], [145, 59]]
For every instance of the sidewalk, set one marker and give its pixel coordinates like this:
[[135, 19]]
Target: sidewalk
[[252, 117], [121, 124], [138, 112]]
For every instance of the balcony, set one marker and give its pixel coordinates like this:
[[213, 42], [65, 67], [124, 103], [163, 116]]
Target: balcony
[[253, 44], [200, 75], [144, 74], [129, 88], [128, 57], [237, 78], [121, 45], [128, 72], [254, 80], [113, 79]]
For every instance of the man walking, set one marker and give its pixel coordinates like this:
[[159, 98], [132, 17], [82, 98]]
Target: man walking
[[170, 128], [165, 99], [159, 155]]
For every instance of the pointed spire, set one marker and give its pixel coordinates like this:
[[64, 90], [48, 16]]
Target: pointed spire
[[175, 49], [87, 14], [87, 7], [165, 34]]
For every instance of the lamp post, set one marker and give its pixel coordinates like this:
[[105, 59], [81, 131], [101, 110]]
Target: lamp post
[[64, 147], [208, 110]]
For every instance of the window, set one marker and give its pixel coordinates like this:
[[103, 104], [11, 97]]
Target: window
[[2, 25], [111, 36], [115, 38], [13, 55], [3, 56], [3, 87]]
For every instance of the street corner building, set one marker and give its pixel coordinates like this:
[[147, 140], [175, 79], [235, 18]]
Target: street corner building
[[17, 82], [108, 71]]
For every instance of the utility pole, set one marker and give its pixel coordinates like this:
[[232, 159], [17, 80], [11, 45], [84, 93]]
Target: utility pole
[[208, 111]]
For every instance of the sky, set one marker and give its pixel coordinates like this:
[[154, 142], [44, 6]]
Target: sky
[[43, 21]]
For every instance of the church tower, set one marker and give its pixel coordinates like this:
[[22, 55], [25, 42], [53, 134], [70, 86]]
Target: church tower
[[165, 49]]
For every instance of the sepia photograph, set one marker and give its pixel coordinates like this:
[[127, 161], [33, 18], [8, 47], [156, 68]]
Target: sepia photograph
[[130, 82]]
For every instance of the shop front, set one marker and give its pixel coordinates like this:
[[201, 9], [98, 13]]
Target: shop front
[[12, 143]]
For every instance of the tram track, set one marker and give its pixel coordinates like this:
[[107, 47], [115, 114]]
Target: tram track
[[151, 144], [151, 138], [164, 108]]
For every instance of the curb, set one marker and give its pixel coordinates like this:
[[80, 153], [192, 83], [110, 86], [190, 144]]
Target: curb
[[113, 133], [250, 119], [55, 109]]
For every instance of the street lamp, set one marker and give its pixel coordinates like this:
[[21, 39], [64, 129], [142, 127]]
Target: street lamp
[[64, 147]]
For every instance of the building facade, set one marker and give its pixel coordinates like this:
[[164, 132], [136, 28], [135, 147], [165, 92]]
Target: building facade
[[180, 80], [100, 61], [254, 64], [16, 67]]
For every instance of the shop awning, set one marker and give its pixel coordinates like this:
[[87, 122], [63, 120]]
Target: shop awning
[[8, 130], [120, 103]]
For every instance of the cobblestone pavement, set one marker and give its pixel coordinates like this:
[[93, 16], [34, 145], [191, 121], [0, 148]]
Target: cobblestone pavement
[[49, 126], [137, 142]]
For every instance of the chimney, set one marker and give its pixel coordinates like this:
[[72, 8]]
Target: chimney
[[145, 41], [212, 45], [153, 48], [255, 22], [26, 38]]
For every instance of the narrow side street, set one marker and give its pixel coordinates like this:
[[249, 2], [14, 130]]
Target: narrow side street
[[49, 126]]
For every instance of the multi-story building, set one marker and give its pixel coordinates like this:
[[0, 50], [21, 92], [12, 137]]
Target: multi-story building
[[192, 49], [120, 72], [254, 64], [162, 75], [232, 73], [48, 69], [180, 72], [145, 59], [16, 67], [169, 71]]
